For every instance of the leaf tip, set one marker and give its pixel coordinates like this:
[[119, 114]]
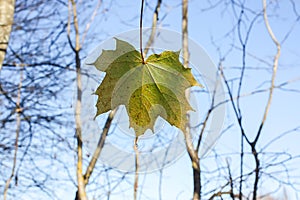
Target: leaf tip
[[199, 85]]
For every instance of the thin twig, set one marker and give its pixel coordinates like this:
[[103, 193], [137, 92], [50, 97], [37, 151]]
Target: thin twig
[[18, 123], [206, 120], [230, 180], [275, 67], [69, 26], [90, 22], [153, 28], [185, 49], [243, 136], [99, 148], [136, 177], [220, 194]]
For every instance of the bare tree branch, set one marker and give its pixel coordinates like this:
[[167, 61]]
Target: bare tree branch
[[153, 28], [136, 176], [88, 25], [275, 67], [18, 124], [81, 193], [185, 49], [188, 140], [99, 148]]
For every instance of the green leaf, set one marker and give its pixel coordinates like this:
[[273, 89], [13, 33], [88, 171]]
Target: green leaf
[[156, 88]]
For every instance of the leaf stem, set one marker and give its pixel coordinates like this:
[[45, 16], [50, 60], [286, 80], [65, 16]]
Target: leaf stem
[[141, 32]]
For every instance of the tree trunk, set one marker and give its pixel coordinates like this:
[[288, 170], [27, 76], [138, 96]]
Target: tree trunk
[[197, 180], [7, 8]]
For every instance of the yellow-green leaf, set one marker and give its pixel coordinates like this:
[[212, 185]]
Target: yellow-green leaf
[[156, 88]]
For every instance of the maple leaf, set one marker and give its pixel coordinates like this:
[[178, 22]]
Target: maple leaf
[[155, 88]]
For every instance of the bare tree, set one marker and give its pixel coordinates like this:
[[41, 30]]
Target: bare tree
[[252, 178], [41, 130], [40, 104]]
